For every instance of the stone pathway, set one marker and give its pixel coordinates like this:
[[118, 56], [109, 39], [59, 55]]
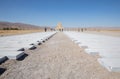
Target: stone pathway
[[58, 58]]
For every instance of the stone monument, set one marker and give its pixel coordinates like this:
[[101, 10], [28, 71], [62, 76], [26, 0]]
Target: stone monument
[[59, 27]]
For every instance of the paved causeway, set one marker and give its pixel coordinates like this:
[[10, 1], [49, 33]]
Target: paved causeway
[[57, 58]]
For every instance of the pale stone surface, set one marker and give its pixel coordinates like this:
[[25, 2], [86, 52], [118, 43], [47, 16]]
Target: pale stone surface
[[58, 58], [59, 27]]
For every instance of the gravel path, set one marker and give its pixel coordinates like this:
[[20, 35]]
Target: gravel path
[[58, 58]]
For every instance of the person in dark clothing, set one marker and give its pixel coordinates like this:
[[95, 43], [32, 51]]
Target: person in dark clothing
[[78, 29], [81, 29], [45, 29]]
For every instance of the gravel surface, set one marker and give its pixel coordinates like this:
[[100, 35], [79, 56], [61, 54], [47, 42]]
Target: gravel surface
[[58, 58]]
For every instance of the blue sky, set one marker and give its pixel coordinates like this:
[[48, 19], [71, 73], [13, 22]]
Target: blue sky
[[71, 13]]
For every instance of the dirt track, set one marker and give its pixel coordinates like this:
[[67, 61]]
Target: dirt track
[[58, 58]]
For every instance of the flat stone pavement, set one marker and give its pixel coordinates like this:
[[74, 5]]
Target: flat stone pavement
[[57, 58]]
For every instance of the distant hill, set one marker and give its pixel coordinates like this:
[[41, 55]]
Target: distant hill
[[21, 26]]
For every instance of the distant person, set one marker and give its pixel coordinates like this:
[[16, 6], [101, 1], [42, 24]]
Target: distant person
[[51, 29], [45, 29], [81, 29], [78, 29], [62, 30]]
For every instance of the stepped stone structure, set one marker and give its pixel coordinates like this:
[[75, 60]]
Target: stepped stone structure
[[59, 27]]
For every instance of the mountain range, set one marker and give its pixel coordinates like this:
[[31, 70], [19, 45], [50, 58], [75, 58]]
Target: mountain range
[[21, 26]]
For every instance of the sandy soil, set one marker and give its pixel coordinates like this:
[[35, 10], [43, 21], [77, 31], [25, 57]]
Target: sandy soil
[[58, 58], [17, 32], [110, 33]]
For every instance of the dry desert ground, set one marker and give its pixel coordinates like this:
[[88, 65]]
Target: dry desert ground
[[17, 32], [106, 32]]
